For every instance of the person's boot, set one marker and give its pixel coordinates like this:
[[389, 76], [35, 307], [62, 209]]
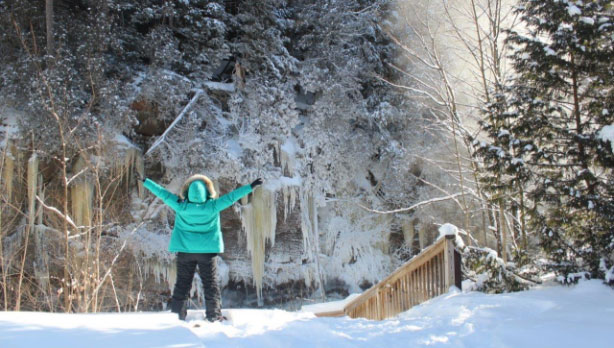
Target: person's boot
[[179, 307], [217, 318]]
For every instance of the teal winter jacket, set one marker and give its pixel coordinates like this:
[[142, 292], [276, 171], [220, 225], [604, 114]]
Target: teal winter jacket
[[197, 218]]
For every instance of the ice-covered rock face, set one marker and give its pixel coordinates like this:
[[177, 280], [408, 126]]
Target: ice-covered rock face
[[302, 231], [286, 94]]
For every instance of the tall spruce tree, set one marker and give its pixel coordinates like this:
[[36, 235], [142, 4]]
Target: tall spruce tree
[[506, 175], [556, 109]]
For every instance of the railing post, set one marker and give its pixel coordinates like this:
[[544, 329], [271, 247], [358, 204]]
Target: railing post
[[451, 264]]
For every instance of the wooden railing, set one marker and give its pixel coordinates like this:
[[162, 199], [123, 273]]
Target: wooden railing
[[429, 274]]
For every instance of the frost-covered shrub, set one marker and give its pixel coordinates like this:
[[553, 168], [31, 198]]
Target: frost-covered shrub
[[573, 278], [486, 271], [608, 272]]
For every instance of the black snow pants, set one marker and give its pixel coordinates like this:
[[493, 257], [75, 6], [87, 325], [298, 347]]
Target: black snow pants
[[207, 269]]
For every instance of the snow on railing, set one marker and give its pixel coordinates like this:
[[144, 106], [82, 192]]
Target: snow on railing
[[429, 274]]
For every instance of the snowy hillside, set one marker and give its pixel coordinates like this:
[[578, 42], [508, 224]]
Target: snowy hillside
[[555, 316]]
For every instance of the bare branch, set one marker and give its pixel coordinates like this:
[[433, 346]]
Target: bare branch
[[417, 205]]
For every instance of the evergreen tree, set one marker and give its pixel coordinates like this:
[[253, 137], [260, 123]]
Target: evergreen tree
[[506, 175], [559, 102]]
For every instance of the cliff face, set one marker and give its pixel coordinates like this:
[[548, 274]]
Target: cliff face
[[290, 92]]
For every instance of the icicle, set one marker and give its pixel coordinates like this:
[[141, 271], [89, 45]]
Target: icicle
[[9, 170], [32, 188], [197, 289], [41, 254], [129, 166], [422, 236], [139, 166], [125, 166], [41, 194], [309, 229], [309, 224], [163, 272], [289, 198], [384, 243], [34, 220], [259, 220], [308, 275], [409, 231], [126, 169], [82, 195], [287, 153]]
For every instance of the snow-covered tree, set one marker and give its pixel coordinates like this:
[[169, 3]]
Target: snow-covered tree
[[557, 108]]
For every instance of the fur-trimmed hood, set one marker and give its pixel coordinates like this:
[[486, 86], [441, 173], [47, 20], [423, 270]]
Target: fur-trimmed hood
[[183, 194]]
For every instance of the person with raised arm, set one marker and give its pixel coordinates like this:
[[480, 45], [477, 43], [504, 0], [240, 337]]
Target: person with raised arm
[[197, 238]]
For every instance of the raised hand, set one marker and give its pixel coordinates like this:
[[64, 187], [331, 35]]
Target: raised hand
[[138, 176], [256, 182]]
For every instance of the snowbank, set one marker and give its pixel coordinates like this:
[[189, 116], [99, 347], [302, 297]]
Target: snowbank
[[607, 134], [554, 316], [24, 329], [328, 306]]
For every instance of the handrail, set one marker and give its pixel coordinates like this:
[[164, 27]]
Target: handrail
[[427, 275]]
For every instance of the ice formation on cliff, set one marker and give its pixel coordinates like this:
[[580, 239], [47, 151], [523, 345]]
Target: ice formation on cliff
[[259, 219]]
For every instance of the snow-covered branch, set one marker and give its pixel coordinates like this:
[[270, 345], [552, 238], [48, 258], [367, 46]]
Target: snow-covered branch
[[77, 175], [177, 119], [59, 213], [417, 205]]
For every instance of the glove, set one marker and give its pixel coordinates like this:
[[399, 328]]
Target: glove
[[256, 183], [138, 176]]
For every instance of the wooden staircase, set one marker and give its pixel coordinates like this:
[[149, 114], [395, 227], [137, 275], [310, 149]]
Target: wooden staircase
[[427, 275]]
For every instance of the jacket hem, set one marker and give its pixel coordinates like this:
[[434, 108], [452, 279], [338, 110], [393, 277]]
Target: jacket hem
[[191, 251]]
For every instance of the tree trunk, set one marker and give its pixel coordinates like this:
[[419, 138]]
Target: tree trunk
[[503, 231], [49, 20]]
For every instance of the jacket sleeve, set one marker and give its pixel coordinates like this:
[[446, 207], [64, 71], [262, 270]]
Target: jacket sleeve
[[168, 198], [228, 199]]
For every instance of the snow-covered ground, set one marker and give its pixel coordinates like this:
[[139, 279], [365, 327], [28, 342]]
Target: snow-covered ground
[[548, 316]]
